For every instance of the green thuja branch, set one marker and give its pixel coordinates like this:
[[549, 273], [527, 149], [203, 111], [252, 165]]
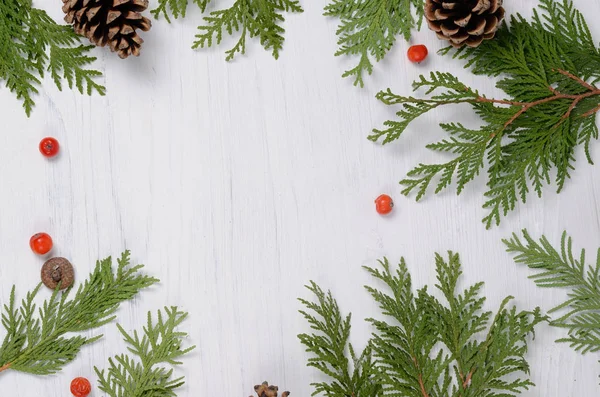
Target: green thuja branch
[[160, 343], [560, 268], [548, 68], [176, 8], [31, 43], [421, 347], [368, 28], [333, 354], [35, 341], [248, 18]]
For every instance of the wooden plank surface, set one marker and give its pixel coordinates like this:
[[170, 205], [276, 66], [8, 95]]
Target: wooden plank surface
[[236, 183]]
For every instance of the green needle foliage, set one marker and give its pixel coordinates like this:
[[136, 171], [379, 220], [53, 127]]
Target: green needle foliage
[[559, 268], [368, 28], [160, 344], [421, 347], [35, 341], [248, 18], [334, 355], [31, 43], [548, 68]]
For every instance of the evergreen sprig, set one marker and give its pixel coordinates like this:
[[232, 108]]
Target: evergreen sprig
[[160, 343], [422, 347], [368, 28], [561, 268], [31, 43], [249, 18], [335, 356], [35, 341], [548, 68]]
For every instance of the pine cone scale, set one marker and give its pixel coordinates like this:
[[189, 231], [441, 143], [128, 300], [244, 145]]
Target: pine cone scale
[[132, 15], [112, 22], [126, 30], [478, 29], [112, 16], [448, 32], [137, 39], [464, 22], [142, 4]]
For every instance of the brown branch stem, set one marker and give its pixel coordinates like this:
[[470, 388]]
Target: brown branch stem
[[525, 106], [466, 382], [577, 79], [423, 391], [421, 384], [594, 110], [568, 113], [5, 367]]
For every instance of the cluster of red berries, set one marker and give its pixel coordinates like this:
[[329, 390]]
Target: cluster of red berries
[[41, 244]]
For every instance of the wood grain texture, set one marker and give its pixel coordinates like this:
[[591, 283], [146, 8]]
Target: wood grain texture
[[236, 183]]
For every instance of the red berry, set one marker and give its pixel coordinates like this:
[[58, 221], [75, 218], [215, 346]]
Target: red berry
[[384, 204], [80, 387], [49, 147], [40, 243], [417, 53]]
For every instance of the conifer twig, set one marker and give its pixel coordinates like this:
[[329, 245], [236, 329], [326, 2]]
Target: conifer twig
[[525, 106], [549, 68], [160, 343], [562, 268], [33, 44], [368, 29], [259, 19], [421, 346], [36, 344]]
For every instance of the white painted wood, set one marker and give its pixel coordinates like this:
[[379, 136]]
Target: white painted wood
[[236, 183]]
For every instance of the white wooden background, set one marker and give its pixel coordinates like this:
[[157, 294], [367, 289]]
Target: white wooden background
[[236, 183]]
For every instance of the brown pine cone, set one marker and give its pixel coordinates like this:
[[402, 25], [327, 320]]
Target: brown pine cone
[[264, 390], [464, 22], [112, 22]]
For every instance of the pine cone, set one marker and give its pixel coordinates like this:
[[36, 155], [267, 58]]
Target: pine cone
[[264, 390], [464, 21], [112, 22]]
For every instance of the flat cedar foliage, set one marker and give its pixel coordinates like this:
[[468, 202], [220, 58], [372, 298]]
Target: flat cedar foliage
[[253, 18], [548, 68], [31, 44], [36, 340], [421, 347], [560, 268], [369, 28], [160, 343]]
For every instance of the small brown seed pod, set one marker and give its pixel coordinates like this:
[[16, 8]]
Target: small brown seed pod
[[266, 390], [58, 270]]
